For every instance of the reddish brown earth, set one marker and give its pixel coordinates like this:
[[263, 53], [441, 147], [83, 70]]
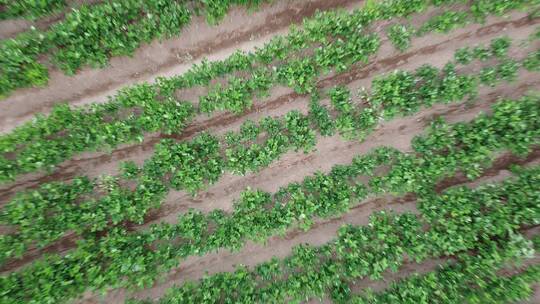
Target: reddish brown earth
[[246, 30]]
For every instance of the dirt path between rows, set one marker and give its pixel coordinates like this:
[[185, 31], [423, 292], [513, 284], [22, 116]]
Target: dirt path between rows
[[240, 29], [321, 232], [437, 51]]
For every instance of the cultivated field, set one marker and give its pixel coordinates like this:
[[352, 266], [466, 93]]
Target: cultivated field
[[252, 151]]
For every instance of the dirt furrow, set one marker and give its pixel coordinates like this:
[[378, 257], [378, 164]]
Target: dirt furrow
[[437, 51], [240, 29]]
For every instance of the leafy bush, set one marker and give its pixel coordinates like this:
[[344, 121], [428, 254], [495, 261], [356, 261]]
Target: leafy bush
[[192, 165], [500, 46], [444, 22], [106, 126], [400, 36], [464, 55], [532, 62]]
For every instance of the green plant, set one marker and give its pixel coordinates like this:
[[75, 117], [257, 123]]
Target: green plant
[[30, 9], [369, 251], [444, 22], [400, 36], [532, 62], [138, 258], [464, 55], [47, 141], [192, 165]]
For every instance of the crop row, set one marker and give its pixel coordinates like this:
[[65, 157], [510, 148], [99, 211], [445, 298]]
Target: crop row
[[492, 213], [91, 34], [472, 279], [46, 214], [136, 259], [29, 8], [339, 39]]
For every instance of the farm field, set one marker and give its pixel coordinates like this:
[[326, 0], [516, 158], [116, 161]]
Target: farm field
[[284, 151]]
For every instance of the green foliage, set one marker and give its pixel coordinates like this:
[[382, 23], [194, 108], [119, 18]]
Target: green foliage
[[79, 38], [43, 143], [129, 170], [532, 62], [18, 64], [396, 92], [320, 117], [137, 258], [237, 96], [470, 279], [192, 165], [71, 131], [482, 8], [215, 10], [244, 152], [508, 70], [500, 46], [464, 55], [91, 34], [400, 36], [204, 164], [488, 76], [482, 53], [299, 74], [30, 9], [358, 252], [444, 22]]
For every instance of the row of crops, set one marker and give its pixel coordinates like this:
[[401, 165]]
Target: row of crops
[[290, 61], [43, 216], [124, 258], [93, 33], [476, 231], [329, 271]]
